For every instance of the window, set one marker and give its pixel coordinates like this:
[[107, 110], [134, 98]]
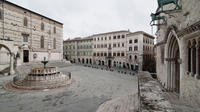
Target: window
[[130, 57], [101, 38], [122, 54], [97, 54], [118, 44], [94, 54], [136, 41], [118, 54], [118, 37], [1, 14], [105, 45], [114, 37], [25, 21], [25, 38], [54, 29], [105, 54], [95, 46], [130, 48], [135, 48], [114, 45], [123, 36], [109, 54], [110, 38], [109, 45], [130, 41], [101, 54], [42, 42], [54, 43], [135, 57], [101, 45], [105, 38], [122, 44], [114, 54], [42, 26]]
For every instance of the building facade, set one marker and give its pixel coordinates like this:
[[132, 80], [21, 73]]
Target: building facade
[[121, 49], [178, 51], [33, 36], [78, 50], [140, 51]]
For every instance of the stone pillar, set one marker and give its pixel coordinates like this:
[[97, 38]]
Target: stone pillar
[[192, 71], [12, 64], [173, 75], [168, 75], [197, 62]]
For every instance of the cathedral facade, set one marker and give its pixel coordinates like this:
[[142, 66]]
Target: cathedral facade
[[33, 36], [178, 50]]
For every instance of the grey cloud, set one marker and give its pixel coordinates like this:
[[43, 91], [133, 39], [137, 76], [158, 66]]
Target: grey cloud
[[87, 17]]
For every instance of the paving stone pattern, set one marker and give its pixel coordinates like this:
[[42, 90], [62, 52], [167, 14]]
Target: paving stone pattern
[[92, 87]]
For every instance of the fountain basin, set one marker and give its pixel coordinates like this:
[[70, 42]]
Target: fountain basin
[[42, 78]]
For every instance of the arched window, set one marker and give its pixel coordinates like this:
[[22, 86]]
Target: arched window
[[54, 43], [135, 57], [25, 21], [130, 57], [42, 42], [42, 26]]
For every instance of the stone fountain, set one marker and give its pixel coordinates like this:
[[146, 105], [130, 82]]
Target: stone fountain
[[45, 77]]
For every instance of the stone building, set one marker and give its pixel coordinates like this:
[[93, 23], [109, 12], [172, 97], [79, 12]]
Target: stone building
[[110, 48], [78, 50], [121, 49], [140, 51], [27, 36], [178, 52]]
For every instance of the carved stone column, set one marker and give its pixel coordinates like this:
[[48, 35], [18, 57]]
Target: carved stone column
[[197, 62], [192, 53], [173, 75]]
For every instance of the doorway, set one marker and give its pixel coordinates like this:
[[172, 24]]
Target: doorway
[[26, 56], [109, 63]]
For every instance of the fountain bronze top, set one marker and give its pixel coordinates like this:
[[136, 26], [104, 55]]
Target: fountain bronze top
[[44, 62]]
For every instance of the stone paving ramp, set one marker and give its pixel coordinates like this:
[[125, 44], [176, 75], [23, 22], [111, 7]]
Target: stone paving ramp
[[152, 98], [122, 104]]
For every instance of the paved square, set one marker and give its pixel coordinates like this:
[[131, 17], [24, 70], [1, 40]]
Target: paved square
[[91, 88]]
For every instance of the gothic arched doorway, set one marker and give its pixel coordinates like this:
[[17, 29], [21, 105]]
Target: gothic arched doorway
[[173, 64]]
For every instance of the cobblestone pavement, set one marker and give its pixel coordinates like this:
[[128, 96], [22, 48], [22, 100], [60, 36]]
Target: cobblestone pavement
[[92, 88], [179, 105], [128, 103]]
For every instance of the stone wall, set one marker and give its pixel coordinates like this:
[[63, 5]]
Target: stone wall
[[190, 89], [179, 26]]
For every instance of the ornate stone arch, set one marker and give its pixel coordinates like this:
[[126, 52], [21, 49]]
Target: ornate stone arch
[[172, 59]]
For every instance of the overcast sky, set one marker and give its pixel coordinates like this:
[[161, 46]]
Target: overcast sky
[[87, 17]]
